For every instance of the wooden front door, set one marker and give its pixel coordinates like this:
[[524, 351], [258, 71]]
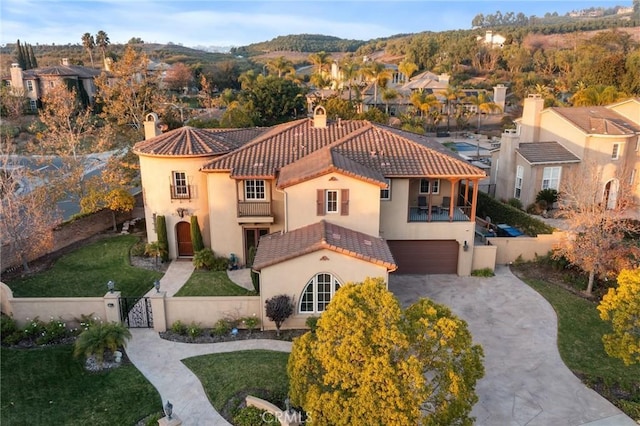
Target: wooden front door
[[183, 234]]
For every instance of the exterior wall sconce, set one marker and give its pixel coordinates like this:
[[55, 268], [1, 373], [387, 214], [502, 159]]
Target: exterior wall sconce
[[110, 305], [181, 212], [111, 286], [465, 247]]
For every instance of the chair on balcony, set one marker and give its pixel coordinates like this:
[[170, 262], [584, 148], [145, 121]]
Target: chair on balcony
[[422, 204], [446, 202]]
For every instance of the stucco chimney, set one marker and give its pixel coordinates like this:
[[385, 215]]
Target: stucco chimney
[[151, 126], [530, 122], [500, 95], [319, 117], [65, 62], [16, 78]]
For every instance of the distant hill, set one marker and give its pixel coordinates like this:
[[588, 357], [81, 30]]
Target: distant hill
[[300, 43]]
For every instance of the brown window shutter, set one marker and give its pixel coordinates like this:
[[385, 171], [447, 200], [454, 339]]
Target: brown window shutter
[[320, 202], [344, 201]]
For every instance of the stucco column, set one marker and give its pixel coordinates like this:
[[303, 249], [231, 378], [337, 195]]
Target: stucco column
[[112, 307], [158, 309]]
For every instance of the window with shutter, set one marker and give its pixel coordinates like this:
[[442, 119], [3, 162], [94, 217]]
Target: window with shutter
[[344, 204], [320, 202]]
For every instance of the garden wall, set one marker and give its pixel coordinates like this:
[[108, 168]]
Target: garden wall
[[67, 309], [204, 310], [484, 257], [509, 249]]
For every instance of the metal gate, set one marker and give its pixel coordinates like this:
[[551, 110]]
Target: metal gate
[[136, 312]]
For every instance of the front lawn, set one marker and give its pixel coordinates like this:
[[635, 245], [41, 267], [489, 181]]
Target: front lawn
[[580, 332], [211, 283], [228, 377], [49, 386], [86, 271]]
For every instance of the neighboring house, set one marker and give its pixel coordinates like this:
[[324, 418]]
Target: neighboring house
[[549, 143], [35, 83], [493, 40], [325, 202]]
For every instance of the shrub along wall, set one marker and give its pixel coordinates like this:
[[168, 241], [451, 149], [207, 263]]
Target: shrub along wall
[[500, 212]]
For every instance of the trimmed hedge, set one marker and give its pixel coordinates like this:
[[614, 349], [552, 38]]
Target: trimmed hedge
[[500, 212]]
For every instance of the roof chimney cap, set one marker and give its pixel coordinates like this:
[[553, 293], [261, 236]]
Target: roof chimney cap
[[319, 117]]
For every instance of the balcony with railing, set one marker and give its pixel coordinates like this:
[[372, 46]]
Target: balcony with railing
[[181, 192], [255, 212]]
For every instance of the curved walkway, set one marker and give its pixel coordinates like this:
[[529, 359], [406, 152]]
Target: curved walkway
[[526, 382], [159, 361]]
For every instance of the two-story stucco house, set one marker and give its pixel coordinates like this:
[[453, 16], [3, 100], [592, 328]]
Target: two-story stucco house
[[549, 142], [324, 202]]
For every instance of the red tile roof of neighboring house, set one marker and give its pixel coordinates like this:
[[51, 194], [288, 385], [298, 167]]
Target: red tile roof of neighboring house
[[546, 152], [597, 120], [193, 142], [279, 247], [371, 150]]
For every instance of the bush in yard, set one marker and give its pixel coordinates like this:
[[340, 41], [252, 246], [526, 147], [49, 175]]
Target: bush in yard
[[220, 263], [514, 202], [250, 322], [161, 230], [196, 235], [252, 416], [221, 327], [548, 195], [155, 250], [484, 272], [278, 309], [99, 338], [203, 259], [179, 327], [54, 330], [255, 277], [194, 330]]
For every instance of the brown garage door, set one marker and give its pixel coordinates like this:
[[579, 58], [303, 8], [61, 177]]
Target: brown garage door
[[425, 257]]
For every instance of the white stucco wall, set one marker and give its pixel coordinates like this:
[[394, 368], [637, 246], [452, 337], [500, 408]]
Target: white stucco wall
[[291, 278], [156, 176]]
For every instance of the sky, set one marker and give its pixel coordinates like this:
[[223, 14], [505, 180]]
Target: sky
[[242, 22]]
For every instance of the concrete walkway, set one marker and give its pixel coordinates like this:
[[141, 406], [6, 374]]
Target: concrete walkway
[[177, 274], [159, 361], [526, 382]]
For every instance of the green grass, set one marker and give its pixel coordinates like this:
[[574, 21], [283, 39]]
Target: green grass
[[225, 375], [86, 271], [47, 386], [580, 332], [211, 283]]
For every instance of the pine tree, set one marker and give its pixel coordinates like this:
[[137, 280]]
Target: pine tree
[[20, 56], [32, 58]]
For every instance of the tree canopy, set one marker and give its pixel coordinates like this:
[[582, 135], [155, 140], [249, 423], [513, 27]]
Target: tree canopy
[[370, 362]]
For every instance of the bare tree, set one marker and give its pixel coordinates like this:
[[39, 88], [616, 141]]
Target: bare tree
[[26, 216], [598, 218]]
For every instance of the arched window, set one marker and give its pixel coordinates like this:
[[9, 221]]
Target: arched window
[[318, 293]]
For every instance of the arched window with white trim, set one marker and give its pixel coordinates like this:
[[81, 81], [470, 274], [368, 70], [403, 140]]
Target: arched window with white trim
[[318, 293]]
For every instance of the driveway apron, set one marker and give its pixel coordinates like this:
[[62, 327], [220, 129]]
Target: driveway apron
[[525, 382]]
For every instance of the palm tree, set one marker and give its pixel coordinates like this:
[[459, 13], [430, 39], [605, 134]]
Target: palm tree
[[89, 44], [379, 74], [451, 95], [407, 68], [102, 41], [280, 65], [349, 70], [596, 95], [247, 79], [321, 60], [99, 338], [483, 104], [389, 95]]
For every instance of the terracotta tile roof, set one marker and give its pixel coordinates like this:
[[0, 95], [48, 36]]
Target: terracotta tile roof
[[324, 161], [193, 142], [382, 150], [279, 247], [546, 152], [597, 120]]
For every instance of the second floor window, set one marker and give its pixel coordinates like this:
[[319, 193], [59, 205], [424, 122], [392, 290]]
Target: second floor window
[[429, 186], [180, 188], [29, 85], [551, 178], [254, 189], [519, 174], [385, 193], [615, 153], [332, 201]]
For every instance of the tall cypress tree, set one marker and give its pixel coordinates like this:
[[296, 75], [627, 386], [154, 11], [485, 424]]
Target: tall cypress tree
[[196, 235], [32, 58], [161, 230], [20, 56]]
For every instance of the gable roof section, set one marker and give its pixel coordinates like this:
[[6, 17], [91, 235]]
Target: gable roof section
[[325, 161], [597, 120], [546, 153], [62, 71], [280, 247], [193, 142], [368, 150]]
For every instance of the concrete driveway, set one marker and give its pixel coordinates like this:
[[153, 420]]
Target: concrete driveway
[[526, 382]]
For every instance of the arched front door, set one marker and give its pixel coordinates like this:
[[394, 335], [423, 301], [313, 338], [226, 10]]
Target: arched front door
[[183, 236], [611, 194]]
